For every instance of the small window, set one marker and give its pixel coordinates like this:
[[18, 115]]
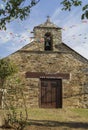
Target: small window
[[48, 42]]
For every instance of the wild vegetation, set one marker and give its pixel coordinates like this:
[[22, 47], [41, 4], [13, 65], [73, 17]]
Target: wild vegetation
[[7, 71]]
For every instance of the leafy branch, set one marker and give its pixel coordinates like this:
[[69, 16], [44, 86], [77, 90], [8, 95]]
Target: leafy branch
[[14, 9]]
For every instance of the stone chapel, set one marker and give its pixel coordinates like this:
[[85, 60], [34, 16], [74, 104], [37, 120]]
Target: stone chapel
[[53, 75]]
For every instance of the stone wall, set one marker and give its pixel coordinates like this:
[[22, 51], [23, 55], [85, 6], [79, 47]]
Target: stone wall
[[74, 90]]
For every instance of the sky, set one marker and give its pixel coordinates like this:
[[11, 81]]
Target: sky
[[74, 30]]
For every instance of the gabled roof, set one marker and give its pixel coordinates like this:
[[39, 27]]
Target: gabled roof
[[48, 24]]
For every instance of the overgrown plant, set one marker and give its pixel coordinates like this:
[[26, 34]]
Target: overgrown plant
[[15, 119], [15, 122], [7, 69]]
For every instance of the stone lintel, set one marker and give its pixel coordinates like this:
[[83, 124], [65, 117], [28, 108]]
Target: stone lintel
[[44, 75]]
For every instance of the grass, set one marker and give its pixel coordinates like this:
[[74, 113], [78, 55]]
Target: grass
[[45, 114], [68, 114], [83, 113], [55, 114], [58, 114]]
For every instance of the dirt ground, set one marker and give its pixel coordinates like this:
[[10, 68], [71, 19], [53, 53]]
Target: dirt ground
[[56, 125]]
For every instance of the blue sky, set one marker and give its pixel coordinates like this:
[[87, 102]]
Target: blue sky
[[74, 30]]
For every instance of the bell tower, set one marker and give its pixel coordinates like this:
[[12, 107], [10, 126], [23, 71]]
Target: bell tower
[[48, 36]]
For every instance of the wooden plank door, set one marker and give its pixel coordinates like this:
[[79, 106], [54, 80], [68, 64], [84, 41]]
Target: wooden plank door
[[51, 93]]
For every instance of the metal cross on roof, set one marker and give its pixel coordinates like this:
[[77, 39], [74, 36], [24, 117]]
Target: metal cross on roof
[[48, 18]]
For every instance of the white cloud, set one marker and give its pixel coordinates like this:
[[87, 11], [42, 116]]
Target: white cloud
[[4, 37], [19, 41], [11, 40]]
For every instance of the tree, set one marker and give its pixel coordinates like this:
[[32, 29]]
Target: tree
[[13, 9]]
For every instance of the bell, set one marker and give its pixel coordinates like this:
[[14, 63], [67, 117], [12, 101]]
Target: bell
[[47, 44]]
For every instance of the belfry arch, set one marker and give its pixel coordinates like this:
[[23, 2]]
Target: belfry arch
[[48, 42]]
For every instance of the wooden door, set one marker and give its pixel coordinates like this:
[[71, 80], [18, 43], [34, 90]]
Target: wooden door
[[51, 93]]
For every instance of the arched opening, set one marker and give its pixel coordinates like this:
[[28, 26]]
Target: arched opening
[[48, 42]]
